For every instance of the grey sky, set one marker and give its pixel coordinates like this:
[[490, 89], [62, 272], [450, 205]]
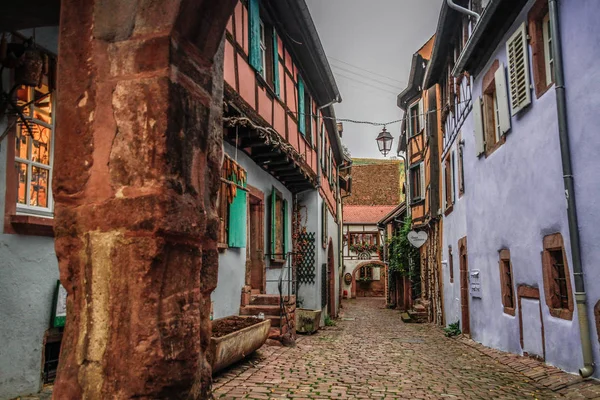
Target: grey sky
[[378, 36]]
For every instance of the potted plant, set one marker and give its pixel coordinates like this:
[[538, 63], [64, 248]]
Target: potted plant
[[307, 321], [234, 338]]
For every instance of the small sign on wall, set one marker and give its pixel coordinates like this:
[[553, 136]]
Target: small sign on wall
[[59, 312], [475, 283]]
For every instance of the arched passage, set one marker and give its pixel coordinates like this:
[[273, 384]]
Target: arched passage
[[137, 162], [383, 275]]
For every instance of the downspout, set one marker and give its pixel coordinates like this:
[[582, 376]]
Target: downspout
[[565, 152], [462, 10]]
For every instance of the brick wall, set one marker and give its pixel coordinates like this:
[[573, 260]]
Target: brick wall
[[376, 182]]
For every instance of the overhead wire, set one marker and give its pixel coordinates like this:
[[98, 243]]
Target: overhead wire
[[354, 121], [366, 70], [367, 77], [353, 79]]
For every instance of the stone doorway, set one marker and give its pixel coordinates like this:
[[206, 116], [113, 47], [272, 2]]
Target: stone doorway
[[255, 261]]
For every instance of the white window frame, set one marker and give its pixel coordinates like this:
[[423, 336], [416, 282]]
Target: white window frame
[[263, 51], [26, 209], [496, 111], [548, 57]]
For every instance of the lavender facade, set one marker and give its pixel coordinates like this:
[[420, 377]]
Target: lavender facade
[[512, 210]]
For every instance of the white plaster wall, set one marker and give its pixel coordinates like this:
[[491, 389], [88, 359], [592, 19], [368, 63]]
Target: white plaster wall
[[28, 271], [515, 198], [232, 262], [454, 229]]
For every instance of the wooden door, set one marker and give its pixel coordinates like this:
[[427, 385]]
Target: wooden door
[[464, 287], [256, 243]]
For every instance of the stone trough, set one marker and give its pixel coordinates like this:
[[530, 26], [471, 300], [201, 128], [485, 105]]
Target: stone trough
[[231, 348]]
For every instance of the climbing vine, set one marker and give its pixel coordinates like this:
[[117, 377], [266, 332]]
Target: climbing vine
[[403, 255]]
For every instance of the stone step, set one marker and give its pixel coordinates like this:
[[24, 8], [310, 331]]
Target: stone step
[[405, 317], [269, 299], [262, 308]]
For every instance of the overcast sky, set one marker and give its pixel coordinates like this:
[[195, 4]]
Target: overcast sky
[[370, 44]]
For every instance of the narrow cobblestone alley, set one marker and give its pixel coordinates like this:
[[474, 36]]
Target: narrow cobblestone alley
[[371, 354]]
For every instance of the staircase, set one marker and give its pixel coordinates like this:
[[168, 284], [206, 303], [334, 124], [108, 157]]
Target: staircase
[[418, 314], [282, 320]]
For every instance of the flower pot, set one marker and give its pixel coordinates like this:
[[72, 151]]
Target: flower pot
[[233, 347], [307, 321]]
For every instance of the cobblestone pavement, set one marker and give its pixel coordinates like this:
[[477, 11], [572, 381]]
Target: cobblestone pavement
[[371, 354]]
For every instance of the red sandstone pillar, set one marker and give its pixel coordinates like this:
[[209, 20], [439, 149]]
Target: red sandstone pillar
[[137, 166]]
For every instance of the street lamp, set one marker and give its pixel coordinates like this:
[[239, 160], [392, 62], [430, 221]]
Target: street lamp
[[384, 142]]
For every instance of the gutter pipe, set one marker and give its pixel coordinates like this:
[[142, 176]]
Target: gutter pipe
[[462, 10], [565, 152]]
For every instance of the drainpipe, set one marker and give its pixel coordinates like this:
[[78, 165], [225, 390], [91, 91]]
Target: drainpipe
[[463, 10], [565, 152]]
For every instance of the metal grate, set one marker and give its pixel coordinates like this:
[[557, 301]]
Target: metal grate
[[305, 258], [324, 285]]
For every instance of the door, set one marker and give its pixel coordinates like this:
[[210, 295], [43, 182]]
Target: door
[[256, 243], [331, 272], [464, 287]]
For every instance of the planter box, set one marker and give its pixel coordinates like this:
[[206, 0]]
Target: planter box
[[231, 348], [307, 321]]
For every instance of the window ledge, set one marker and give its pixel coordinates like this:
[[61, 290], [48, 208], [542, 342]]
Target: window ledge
[[509, 311], [31, 225], [277, 262], [448, 210], [562, 313], [417, 202], [222, 247]]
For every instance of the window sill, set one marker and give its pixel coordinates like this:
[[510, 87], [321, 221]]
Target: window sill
[[496, 146], [562, 313], [277, 262], [416, 202], [222, 247], [448, 210], [509, 311], [31, 225], [540, 91]]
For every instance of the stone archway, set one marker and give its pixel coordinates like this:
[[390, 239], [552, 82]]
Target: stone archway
[[363, 264], [137, 161]]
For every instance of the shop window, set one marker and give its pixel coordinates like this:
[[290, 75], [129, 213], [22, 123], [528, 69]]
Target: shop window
[[506, 282], [557, 281], [366, 273]]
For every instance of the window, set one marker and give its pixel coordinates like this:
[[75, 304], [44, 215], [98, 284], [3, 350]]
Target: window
[[548, 56], [518, 69], [461, 171], [366, 273], [557, 282], [279, 226], [541, 46], [33, 151], [450, 264], [232, 205], [506, 282], [263, 51], [415, 118], [448, 185], [491, 117], [308, 117], [417, 182]]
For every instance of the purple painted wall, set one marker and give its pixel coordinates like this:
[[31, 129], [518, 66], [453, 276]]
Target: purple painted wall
[[515, 196]]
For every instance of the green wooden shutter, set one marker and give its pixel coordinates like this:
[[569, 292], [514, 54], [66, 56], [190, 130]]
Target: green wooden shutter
[[301, 117], [275, 64], [273, 221], [237, 220], [254, 26], [286, 226]]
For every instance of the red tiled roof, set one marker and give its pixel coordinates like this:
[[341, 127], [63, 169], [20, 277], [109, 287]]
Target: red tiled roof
[[365, 214]]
